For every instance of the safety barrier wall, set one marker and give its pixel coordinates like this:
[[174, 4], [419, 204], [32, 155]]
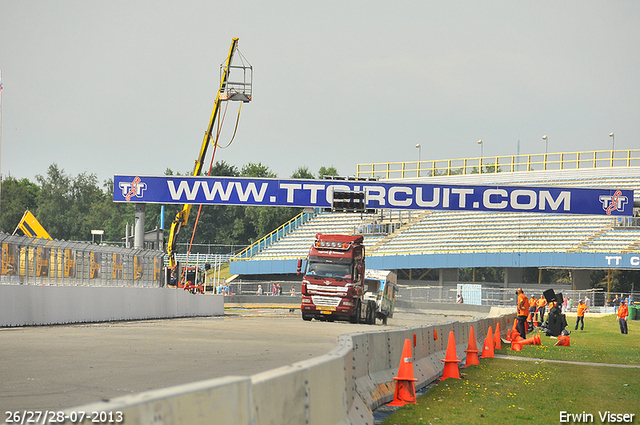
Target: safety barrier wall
[[341, 387], [24, 305]]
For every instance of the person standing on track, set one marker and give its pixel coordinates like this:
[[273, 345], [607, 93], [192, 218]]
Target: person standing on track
[[523, 311], [623, 313]]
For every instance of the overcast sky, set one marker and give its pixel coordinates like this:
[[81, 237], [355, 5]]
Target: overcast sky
[[127, 87]]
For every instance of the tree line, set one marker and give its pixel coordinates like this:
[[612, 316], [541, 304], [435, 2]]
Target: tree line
[[70, 207]]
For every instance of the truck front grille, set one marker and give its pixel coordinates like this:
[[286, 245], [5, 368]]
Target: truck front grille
[[326, 301]]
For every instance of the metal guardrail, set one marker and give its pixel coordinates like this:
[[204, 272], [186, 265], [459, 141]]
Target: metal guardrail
[[274, 236], [37, 261], [497, 164]]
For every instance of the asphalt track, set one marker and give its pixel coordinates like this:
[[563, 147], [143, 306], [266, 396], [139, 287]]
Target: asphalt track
[[57, 367]]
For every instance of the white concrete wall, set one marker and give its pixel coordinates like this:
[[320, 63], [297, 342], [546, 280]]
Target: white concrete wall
[[338, 388], [24, 305]]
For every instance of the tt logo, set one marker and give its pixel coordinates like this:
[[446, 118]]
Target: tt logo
[[616, 202], [135, 188]]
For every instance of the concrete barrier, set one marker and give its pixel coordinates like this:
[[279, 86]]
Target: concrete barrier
[[25, 305], [341, 387]]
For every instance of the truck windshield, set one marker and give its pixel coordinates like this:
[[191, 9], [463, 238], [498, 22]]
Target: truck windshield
[[322, 268]]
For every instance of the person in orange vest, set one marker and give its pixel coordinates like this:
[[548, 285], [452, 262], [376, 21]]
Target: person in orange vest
[[580, 319], [523, 311], [533, 306], [542, 302], [623, 313]]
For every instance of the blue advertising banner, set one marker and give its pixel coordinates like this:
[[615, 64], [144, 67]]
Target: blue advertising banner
[[320, 193]]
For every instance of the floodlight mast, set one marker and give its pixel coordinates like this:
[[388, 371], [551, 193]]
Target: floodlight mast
[[182, 217]]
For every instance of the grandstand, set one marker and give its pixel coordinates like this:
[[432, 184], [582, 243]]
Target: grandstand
[[453, 239]]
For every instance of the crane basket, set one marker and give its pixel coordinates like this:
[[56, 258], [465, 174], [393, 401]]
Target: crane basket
[[238, 87]]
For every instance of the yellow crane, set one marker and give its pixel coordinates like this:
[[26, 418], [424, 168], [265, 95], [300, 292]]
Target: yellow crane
[[239, 90]]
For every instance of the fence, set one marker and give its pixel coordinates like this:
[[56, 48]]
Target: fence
[[37, 261], [506, 163], [499, 296]]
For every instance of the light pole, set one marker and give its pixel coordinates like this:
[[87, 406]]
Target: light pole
[[613, 141], [481, 154], [546, 150], [419, 156], [613, 145]]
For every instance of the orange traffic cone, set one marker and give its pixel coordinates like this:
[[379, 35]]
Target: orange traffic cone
[[516, 345], [405, 381], [497, 342], [487, 348], [509, 335], [534, 340], [451, 360], [435, 335], [563, 341], [472, 350]]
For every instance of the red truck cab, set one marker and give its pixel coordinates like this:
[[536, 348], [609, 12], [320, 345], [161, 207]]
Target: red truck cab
[[333, 282]]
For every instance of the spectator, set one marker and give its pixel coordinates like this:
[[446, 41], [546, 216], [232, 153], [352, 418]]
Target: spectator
[[533, 305], [278, 289], [522, 311], [542, 302], [616, 303], [259, 291], [460, 299], [569, 304], [292, 291], [274, 289], [623, 313], [582, 307], [587, 301]]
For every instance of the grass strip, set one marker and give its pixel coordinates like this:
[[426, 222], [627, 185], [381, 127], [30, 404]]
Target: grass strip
[[502, 391], [599, 342]]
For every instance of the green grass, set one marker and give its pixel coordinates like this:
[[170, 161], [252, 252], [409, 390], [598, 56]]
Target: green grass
[[599, 342], [501, 391]]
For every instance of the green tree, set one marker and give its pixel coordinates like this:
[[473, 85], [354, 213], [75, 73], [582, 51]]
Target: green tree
[[302, 173], [86, 196], [257, 170], [324, 171], [17, 197], [55, 203], [113, 216], [69, 208]]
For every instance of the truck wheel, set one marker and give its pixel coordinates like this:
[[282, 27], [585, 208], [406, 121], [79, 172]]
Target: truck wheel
[[356, 316], [370, 316], [306, 317]]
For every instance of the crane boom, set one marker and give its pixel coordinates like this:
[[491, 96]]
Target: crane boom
[[182, 217]]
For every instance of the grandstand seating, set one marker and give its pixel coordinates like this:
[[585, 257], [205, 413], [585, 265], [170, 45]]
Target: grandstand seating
[[473, 231]]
